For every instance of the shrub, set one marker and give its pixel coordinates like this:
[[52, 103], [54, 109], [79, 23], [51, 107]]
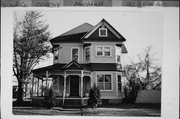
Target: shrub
[[50, 98], [94, 97]]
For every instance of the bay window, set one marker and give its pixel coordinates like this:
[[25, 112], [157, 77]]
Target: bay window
[[119, 83], [104, 81]]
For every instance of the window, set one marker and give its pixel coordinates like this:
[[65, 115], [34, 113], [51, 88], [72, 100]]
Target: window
[[102, 31], [99, 51], [56, 54], [87, 54], [118, 55], [75, 54], [104, 81], [119, 82], [106, 51], [103, 51], [118, 58]]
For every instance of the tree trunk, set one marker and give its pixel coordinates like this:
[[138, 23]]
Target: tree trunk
[[20, 92]]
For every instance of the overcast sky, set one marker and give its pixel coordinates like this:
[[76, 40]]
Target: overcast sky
[[141, 29]]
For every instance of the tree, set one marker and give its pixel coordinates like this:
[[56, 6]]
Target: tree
[[31, 45], [148, 67], [141, 74]]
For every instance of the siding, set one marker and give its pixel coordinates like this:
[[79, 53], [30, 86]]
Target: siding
[[65, 52]]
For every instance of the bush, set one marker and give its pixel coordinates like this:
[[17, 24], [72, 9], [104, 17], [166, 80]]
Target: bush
[[94, 97], [50, 98]]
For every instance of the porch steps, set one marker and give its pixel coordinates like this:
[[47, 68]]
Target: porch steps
[[72, 103]]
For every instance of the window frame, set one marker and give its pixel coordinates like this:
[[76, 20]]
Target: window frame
[[104, 81], [56, 55], [72, 54], [103, 51], [89, 54], [118, 54], [100, 35], [119, 82]]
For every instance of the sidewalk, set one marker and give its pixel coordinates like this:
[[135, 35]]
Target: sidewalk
[[120, 110]]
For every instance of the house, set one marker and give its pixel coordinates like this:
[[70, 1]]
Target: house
[[83, 57]]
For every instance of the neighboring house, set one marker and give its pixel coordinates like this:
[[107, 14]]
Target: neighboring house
[[83, 57]]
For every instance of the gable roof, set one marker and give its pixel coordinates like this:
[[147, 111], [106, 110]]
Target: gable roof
[[105, 23], [73, 35], [83, 31]]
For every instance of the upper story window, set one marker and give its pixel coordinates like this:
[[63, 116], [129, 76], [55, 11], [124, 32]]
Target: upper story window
[[107, 51], [102, 31], [103, 51], [56, 55], [104, 81], [118, 55], [99, 51], [75, 54], [87, 54]]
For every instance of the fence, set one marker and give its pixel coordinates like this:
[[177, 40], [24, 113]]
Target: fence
[[149, 96]]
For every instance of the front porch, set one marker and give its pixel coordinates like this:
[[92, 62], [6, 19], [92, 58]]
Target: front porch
[[71, 83]]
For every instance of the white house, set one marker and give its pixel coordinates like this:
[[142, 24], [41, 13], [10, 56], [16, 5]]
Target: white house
[[85, 56]]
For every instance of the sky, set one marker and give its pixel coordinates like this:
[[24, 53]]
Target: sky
[[141, 29]]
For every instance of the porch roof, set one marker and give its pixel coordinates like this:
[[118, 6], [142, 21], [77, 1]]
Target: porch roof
[[73, 65]]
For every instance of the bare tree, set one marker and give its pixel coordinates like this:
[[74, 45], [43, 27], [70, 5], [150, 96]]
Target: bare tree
[[152, 72], [31, 45], [142, 73]]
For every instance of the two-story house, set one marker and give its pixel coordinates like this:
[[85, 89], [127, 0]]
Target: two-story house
[[83, 57]]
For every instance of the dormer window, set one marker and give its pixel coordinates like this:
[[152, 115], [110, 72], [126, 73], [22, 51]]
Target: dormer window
[[102, 31]]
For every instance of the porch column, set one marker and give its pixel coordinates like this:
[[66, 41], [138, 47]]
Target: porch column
[[82, 84], [38, 88], [91, 81], [32, 86], [81, 87], [64, 91], [35, 87], [46, 77], [42, 88]]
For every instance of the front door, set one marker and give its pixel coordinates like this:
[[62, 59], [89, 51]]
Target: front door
[[74, 86]]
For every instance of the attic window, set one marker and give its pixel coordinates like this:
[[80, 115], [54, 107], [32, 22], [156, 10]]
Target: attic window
[[103, 31]]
